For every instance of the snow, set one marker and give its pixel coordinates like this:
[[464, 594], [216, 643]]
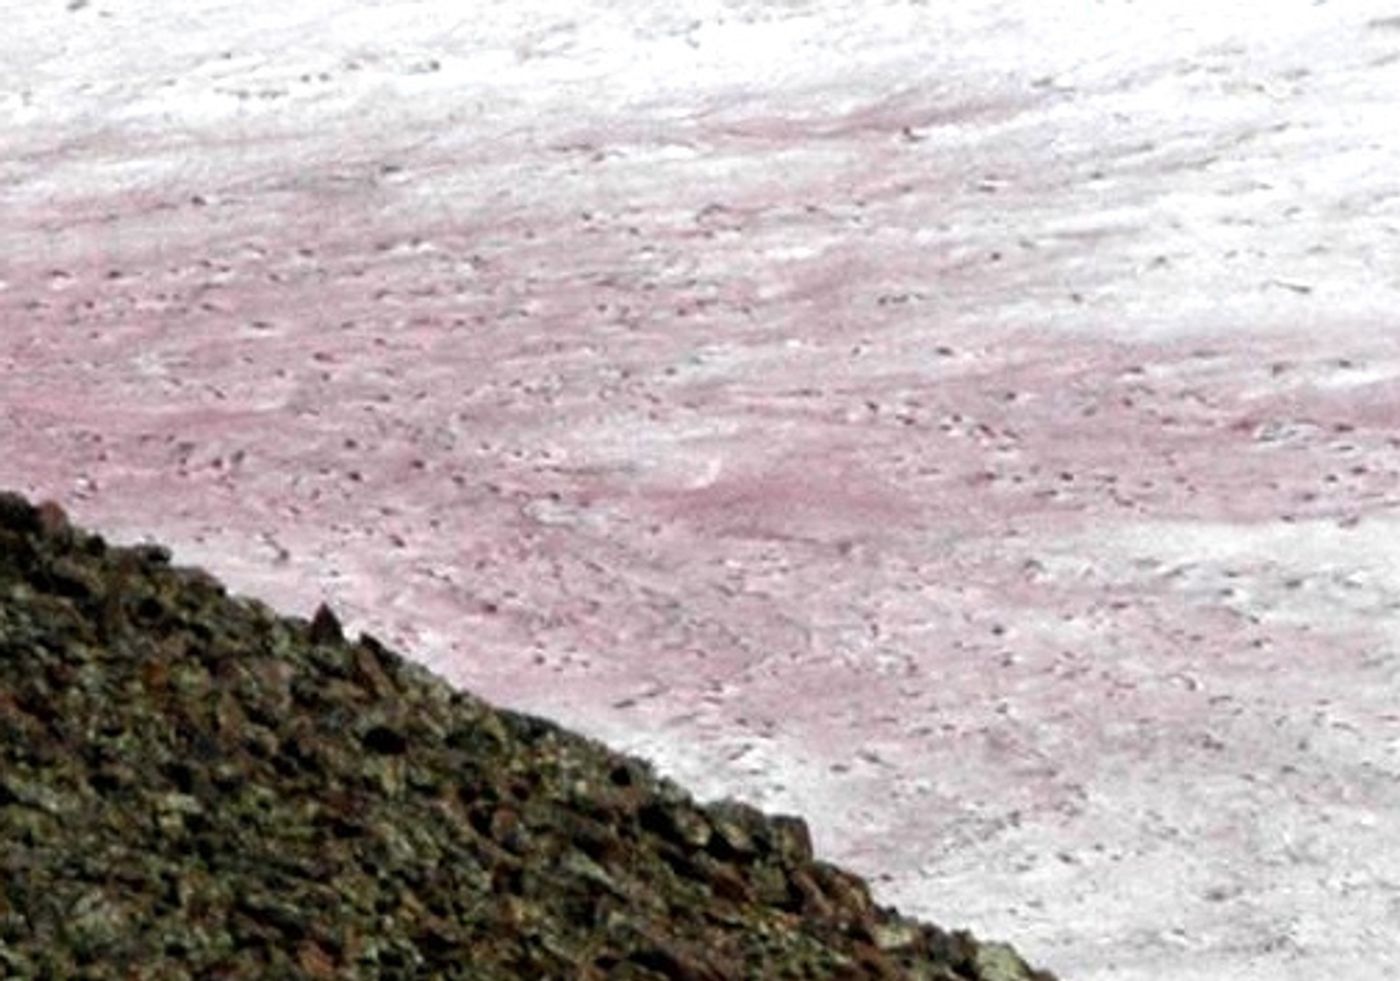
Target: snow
[[969, 425]]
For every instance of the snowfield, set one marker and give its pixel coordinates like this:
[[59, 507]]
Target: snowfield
[[975, 426]]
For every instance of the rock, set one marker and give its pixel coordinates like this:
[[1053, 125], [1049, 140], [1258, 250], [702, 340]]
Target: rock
[[325, 628], [52, 519], [214, 791], [17, 514], [998, 962], [793, 839]]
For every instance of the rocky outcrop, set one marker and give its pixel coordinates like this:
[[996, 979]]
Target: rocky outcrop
[[193, 786]]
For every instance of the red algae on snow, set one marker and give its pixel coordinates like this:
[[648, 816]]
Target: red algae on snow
[[982, 439]]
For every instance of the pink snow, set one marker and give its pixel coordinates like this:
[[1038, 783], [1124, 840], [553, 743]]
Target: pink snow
[[984, 446]]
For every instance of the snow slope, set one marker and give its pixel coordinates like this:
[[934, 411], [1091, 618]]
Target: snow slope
[[970, 425]]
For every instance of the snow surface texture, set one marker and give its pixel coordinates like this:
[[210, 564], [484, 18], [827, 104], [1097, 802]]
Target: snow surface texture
[[973, 426]]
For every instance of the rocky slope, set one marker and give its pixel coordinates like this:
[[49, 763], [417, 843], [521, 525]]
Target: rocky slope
[[194, 786]]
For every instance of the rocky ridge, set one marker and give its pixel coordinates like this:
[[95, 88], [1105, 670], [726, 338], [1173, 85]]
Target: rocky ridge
[[194, 786]]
